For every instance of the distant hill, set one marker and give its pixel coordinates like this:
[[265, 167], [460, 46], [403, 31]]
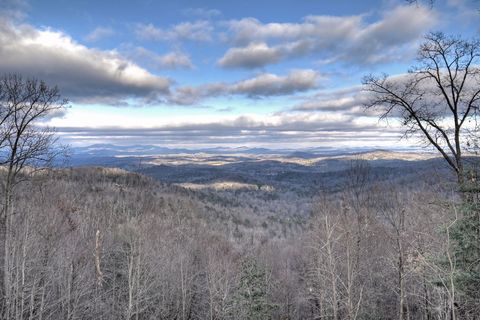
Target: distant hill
[[103, 150], [299, 171]]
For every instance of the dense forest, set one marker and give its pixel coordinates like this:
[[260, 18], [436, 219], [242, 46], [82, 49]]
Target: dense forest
[[93, 243]]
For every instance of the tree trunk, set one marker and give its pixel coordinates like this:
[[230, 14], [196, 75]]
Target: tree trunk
[[3, 260], [460, 177], [401, 287], [4, 245]]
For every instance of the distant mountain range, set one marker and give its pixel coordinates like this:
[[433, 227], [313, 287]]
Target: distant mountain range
[[111, 150]]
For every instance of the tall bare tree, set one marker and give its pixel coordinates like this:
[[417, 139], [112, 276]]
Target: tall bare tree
[[439, 97], [23, 144]]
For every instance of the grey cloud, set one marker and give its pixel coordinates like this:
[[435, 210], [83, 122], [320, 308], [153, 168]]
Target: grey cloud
[[352, 101], [262, 85], [270, 85], [82, 74], [200, 30], [348, 101], [58, 113], [174, 60], [252, 56], [171, 60], [345, 39], [423, 94], [385, 40], [336, 104], [288, 129], [188, 95]]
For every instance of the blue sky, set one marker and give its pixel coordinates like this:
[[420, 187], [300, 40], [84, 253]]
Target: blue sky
[[220, 73]]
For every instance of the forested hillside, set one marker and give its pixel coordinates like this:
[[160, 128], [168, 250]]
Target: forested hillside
[[94, 243]]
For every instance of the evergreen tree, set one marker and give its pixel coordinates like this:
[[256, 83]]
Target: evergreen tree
[[251, 300], [466, 249]]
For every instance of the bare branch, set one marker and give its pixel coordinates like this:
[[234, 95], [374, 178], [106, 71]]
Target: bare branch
[[436, 98]]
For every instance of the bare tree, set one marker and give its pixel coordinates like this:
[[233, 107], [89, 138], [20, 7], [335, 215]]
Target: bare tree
[[23, 143], [334, 270], [437, 99]]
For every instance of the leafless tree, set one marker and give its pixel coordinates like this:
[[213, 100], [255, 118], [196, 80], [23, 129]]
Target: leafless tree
[[334, 269], [438, 99], [23, 143]]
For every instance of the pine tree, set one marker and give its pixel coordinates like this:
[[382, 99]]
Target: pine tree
[[251, 300], [462, 263], [466, 248]]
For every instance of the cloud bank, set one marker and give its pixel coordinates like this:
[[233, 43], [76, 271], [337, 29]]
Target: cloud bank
[[83, 74], [334, 39], [274, 131], [262, 85]]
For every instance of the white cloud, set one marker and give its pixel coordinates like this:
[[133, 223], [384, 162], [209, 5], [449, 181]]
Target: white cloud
[[252, 56], [262, 85], [171, 60], [200, 30], [82, 73], [325, 28], [346, 39], [99, 33]]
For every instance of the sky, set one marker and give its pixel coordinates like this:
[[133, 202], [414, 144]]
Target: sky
[[185, 73]]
